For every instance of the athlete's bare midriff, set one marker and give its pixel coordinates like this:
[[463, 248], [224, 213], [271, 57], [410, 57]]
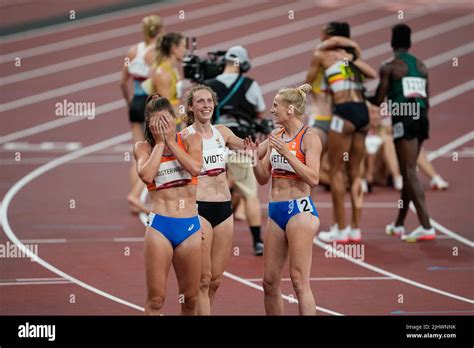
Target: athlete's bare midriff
[[213, 188], [176, 202], [288, 189]]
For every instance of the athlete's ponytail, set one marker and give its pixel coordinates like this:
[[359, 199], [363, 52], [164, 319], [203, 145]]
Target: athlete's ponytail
[[296, 97], [164, 44], [152, 26]]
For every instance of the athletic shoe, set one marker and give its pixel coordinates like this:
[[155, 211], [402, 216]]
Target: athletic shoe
[[398, 183], [258, 249], [365, 186], [335, 235], [354, 235], [419, 234], [393, 230], [438, 183]]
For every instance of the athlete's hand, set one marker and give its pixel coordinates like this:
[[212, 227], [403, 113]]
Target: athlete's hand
[[167, 127], [155, 129], [279, 145], [251, 148]]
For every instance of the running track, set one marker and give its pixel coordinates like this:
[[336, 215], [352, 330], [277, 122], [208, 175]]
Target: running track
[[94, 251]]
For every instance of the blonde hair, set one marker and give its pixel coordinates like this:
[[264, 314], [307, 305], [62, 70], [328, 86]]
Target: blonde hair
[[152, 26], [296, 97], [189, 118]]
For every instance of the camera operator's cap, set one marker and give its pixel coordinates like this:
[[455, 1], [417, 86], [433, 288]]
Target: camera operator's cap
[[238, 52]]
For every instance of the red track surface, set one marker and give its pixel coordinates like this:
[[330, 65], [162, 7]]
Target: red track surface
[[98, 182]]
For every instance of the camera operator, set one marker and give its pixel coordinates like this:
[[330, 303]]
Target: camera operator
[[241, 104]]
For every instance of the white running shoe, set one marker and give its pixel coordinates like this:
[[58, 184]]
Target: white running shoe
[[365, 186], [419, 234], [335, 235], [393, 230], [355, 235], [398, 183], [438, 183]]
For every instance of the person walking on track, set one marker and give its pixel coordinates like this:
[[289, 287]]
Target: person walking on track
[[135, 67], [404, 81]]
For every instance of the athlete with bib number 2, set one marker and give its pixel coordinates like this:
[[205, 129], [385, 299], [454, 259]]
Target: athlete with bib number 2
[[292, 161]]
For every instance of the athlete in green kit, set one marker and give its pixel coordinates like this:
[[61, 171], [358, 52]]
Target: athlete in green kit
[[404, 81]]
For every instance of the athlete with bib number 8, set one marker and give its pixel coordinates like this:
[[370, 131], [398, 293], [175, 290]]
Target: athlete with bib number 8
[[292, 161]]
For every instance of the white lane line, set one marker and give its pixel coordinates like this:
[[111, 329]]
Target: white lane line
[[44, 241], [82, 22], [267, 88], [36, 173], [286, 297], [36, 279], [62, 121], [389, 274], [35, 283], [451, 93], [378, 50], [326, 279], [215, 27]]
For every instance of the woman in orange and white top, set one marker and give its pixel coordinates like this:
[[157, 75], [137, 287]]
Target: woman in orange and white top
[[169, 166], [292, 161]]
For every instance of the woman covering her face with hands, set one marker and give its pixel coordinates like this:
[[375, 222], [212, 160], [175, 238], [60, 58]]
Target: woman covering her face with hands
[[169, 165]]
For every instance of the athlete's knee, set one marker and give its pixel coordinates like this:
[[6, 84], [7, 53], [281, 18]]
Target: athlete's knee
[[205, 281], [189, 301], [300, 284], [155, 302], [215, 283], [270, 284]]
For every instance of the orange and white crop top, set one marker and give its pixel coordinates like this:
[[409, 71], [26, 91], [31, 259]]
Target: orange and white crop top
[[171, 173], [280, 166]]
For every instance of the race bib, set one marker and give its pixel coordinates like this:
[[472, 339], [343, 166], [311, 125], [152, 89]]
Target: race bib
[[304, 205], [398, 130], [414, 87], [337, 124]]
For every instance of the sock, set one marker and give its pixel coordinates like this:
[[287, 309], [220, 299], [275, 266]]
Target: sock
[[255, 230]]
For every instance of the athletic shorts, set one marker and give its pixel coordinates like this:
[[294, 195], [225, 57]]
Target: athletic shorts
[[176, 230], [321, 122], [243, 177], [136, 112], [214, 212], [354, 112], [409, 127], [282, 212]]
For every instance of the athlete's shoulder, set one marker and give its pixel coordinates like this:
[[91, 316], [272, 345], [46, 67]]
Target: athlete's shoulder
[[311, 137], [141, 146], [132, 52]]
